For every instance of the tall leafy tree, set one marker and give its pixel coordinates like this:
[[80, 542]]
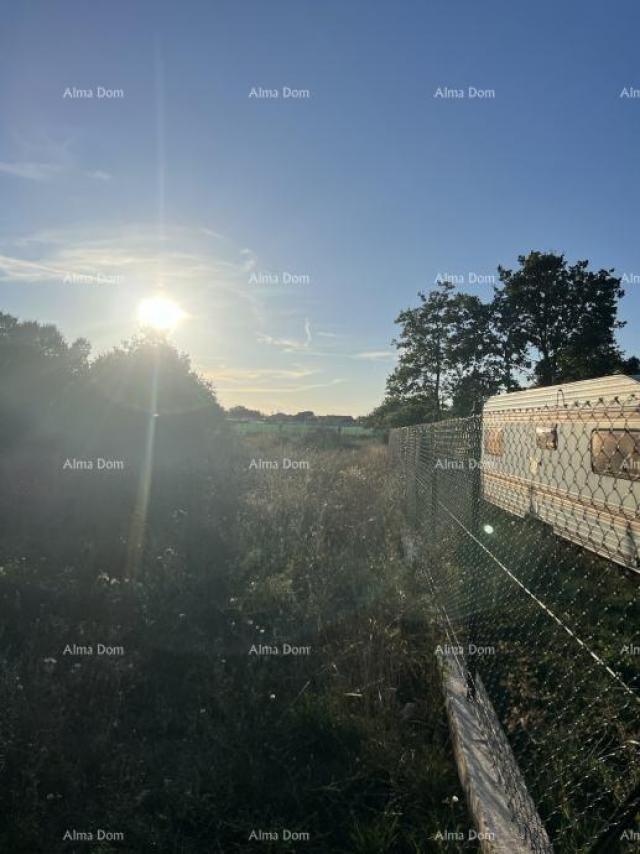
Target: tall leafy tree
[[38, 372], [559, 319], [398, 411], [567, 315], [424, 348], [508, 344], [472, 372], [446, 354], [591, 349]]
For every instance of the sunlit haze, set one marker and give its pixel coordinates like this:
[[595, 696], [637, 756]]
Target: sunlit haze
[[319, 427], [159, 313], [146, 147]]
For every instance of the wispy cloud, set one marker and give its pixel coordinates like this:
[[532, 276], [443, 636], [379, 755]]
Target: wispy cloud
[[237, 375], [207, 275], [250, 260], [34, 171], [292, 389], [285, 344], [302, 347], [209, 232], [42, 157], [98, 175], [131, 255], [375, 355], [22, 270], [261, 380], [290, 345]]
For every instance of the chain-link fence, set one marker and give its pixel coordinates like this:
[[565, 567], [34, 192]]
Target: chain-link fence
[[529, 531]]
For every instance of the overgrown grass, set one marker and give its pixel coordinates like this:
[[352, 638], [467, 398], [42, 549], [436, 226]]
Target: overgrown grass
[[288, 429], [188, 741], [571, 722]]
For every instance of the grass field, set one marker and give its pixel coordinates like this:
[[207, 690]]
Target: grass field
[[191, 740], [293, 428]]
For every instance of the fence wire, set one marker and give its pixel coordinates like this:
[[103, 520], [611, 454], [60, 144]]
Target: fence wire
[[529, 530]]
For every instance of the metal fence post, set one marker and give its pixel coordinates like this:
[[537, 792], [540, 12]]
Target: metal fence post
[[475, 454], [433, 474]]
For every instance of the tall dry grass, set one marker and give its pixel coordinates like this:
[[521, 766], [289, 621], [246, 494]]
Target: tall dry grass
[[188, 742]]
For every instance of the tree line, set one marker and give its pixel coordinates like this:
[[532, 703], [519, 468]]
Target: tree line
[[307, 416], [64, 414], [548, 322]]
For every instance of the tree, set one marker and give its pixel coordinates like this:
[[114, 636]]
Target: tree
[[456, 350], [446, 364], [147, 377], [508, 341], [244, 412], [473, 373], [630, 366], [592, 350], [38, 373], [423, 343], [567, 315], [143, 410], [401, 412]]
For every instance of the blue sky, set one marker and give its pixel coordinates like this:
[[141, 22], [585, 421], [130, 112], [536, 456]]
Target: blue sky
[[367, 189]]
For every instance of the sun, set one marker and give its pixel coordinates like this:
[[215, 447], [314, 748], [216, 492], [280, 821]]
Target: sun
[[159, 313]]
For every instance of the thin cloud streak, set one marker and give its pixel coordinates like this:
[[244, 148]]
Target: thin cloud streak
[[275, 390], [34, 171], [131, 254], [31, 171], [28, 271], [375, 355], [290, 345], [244, 374], [302, 348]]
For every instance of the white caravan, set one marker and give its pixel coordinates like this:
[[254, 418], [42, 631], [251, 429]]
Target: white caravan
[[570, 455]]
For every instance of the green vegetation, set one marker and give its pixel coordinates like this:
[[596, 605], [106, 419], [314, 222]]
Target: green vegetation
[[557, 621], [293, 428], [183, 563], [547, 322]]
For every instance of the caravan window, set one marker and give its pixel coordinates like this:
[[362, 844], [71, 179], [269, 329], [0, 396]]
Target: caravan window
[[616, 453], [493, 441], [547, 438]]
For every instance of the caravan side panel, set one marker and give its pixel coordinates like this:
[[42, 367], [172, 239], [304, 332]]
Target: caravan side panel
[[575, 468]]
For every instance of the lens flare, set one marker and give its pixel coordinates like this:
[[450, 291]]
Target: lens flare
[[159, 313]]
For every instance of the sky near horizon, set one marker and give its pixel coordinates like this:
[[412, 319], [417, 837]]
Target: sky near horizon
[[292, 230]]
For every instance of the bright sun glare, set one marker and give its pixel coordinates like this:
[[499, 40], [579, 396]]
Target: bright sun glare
[[159, 313]]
